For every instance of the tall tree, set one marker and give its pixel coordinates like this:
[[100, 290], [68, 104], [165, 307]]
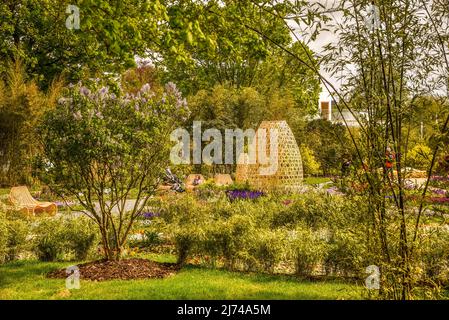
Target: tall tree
[[110, 34]]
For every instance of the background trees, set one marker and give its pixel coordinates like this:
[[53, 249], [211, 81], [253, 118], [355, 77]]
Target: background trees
[[111, 33], [22, 105]]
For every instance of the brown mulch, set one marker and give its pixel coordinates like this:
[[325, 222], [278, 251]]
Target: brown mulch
[[125, 270]]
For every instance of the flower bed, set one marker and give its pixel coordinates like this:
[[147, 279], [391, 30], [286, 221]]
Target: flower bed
[[243, 195]]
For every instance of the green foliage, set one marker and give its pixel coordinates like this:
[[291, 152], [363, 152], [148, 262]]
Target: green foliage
[[307, 250], [434, 257], [59, 239], [329, 143], [14, 235], [81, 237], [309, 163], [268, 248], [315, 233], [3, 237], [109, 37], [419, 157], [18, 238], [49, 239], [22, 105], [185, 217], [346, 254]]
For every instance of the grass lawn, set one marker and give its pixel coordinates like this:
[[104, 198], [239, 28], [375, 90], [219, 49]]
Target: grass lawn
[[316, 180], [26, 280]]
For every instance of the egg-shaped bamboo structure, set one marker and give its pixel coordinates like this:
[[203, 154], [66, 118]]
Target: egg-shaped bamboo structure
[[288, 175]]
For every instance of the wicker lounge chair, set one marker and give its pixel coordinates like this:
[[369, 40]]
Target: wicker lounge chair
[[190, 181], [21, 198], [223, 179]]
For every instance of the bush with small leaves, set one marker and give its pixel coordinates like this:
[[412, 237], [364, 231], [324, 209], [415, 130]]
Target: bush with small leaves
[[3, 237], [434, 257], [346, 255], [49, 239], [18, 236], [81, 237], [307, 250], [269, 248]]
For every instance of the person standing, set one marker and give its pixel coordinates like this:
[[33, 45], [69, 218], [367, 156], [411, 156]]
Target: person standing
[[390, 157]]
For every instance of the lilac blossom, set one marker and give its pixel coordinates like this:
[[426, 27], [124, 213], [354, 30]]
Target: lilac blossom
[[145, 88], [84, 91], [103, 92]]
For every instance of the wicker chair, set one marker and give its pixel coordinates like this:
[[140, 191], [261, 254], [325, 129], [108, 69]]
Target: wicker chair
[[21, 198]]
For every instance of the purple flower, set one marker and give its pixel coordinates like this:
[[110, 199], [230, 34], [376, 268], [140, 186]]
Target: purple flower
[[243, 194], [181, 103], [171, 87], [439, 200], [439, 178], [103, 92], [84, 91], [149, 215], [145, 88], [439, 191]]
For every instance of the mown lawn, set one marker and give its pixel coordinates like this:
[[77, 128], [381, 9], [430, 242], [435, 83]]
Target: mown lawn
[[316, 180], [26, 280]]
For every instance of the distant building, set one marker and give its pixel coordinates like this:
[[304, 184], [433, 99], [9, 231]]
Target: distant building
[[329, 111]]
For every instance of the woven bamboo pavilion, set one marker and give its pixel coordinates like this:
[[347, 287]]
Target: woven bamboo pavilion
[[289, 174]]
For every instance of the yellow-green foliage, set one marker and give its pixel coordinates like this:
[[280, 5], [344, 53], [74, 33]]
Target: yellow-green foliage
[[419, 157], [22, 105], [309, 163], [3, 237]]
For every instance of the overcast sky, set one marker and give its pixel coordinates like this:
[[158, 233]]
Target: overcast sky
[[323, 38]]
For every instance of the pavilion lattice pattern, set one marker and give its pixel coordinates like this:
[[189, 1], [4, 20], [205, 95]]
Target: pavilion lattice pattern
[[289, 174]]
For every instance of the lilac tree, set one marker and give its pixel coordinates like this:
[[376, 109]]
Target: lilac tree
[[99, 146]]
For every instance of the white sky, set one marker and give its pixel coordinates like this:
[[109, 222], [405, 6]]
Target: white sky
[[325, 37]]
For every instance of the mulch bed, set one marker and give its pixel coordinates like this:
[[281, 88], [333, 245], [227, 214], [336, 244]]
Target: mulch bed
[[127, 269]]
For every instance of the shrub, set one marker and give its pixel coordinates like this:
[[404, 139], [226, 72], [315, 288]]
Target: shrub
[[307, 250], [151, 238], [434, 257], [184, 216], [185, 239], [309, 163], [3, 237], [313, 209], [230, 239], [59, 238], [49, 240], [18, 232], [268, 248], [420, 156], [346, 254], [116, 140], [81, 237]]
